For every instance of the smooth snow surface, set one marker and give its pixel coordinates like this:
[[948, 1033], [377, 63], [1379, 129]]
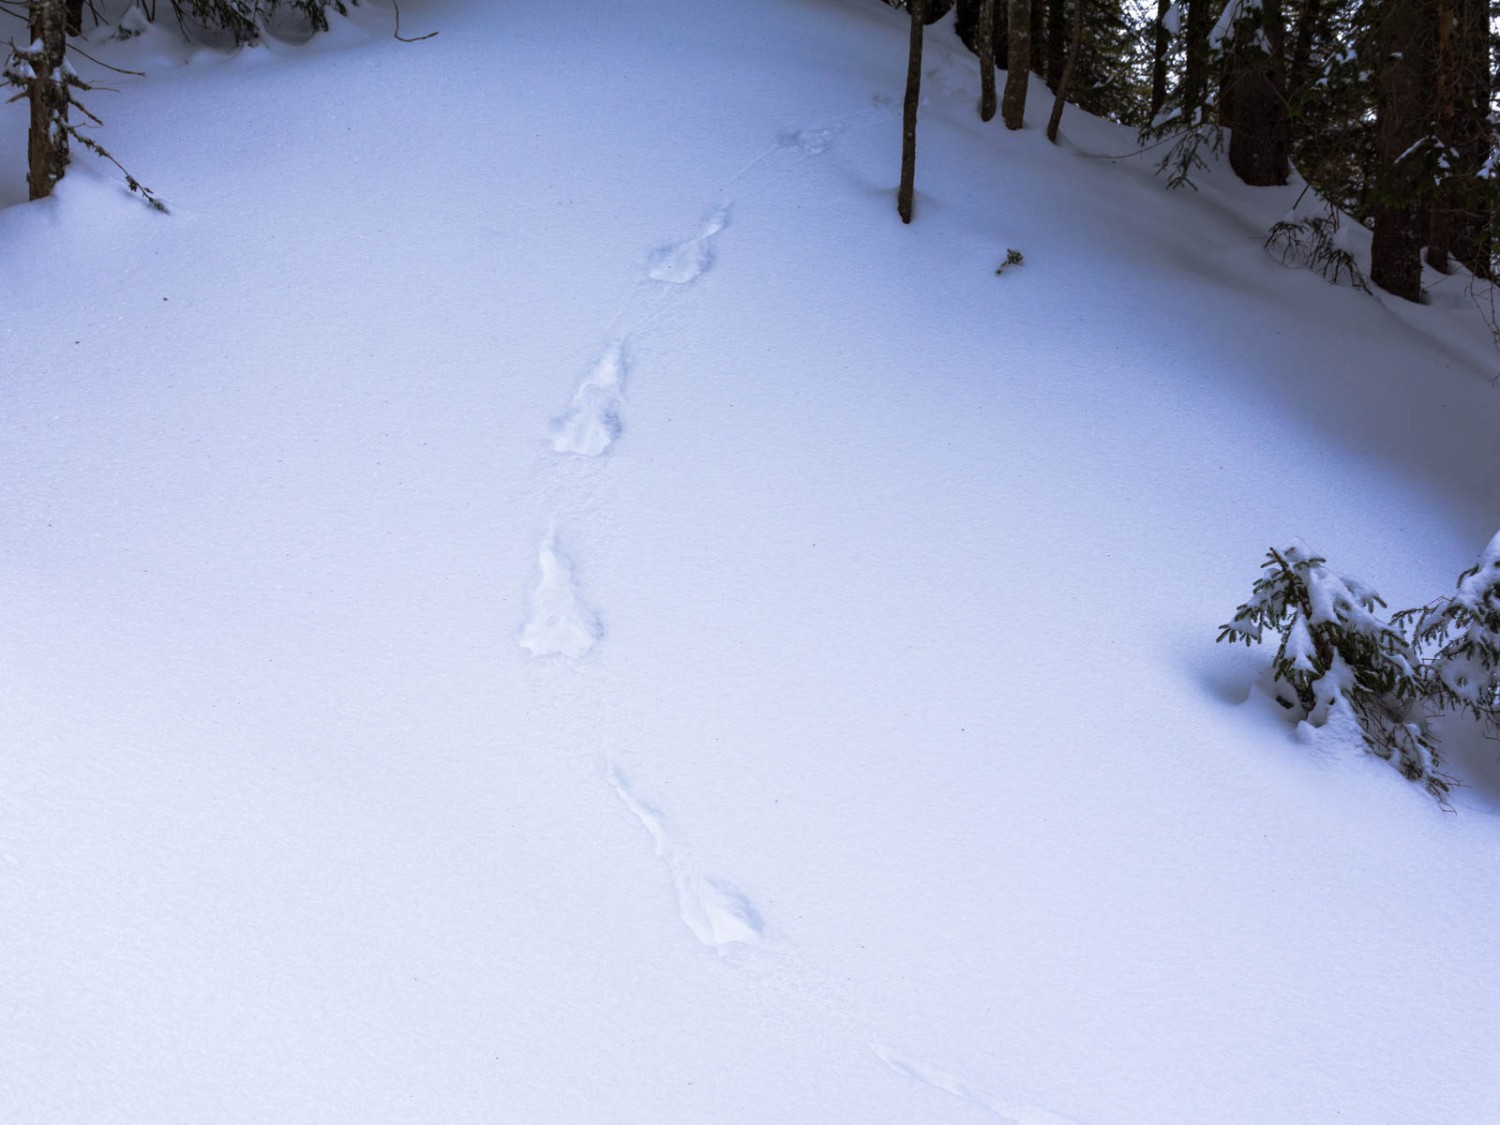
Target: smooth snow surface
[[532, 597]]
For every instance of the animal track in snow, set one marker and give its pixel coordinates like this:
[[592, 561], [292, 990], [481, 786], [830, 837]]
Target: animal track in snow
[[560, 622], [718, 913], [591, 423], [951, 1084], [812, 141], [682, 262]]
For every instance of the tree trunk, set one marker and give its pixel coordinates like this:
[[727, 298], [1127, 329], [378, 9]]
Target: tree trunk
[[1403, 41], [1471, 128], [1445, 104], [1057, 35], [47, 142], [909, 115], [75, 17], [1195, 73], [1461, 202], [1013, 105], [986, 33], [1309, 21], [1259, 139], [1075, 48], [1160, 45]]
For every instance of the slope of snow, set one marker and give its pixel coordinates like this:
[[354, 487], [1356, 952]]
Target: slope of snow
[[531, 596]]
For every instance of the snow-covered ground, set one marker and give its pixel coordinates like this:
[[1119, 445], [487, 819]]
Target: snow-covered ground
[[532, 597]]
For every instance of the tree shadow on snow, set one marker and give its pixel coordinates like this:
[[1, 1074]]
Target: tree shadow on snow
[[1472, 756]]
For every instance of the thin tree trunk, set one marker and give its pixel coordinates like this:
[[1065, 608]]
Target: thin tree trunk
[[75, 17], [909, 115], [47, 142], [986, 33], [1075, 48], [1403, 40], [1160, 45], [1445, 70], [1013, 105]]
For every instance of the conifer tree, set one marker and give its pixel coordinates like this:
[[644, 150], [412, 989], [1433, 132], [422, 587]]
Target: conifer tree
[[1337, 655]]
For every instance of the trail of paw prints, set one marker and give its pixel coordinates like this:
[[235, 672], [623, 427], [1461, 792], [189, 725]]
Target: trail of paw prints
[[682, 262], [812, 141], [718, 913], [591, 424], [951, 1084], [559, 622]]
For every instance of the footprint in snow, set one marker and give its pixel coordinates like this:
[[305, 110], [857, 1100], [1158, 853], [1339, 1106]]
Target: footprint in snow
[[682, 262], [812, 141], [718, 913], [591, 423], [560, 623]]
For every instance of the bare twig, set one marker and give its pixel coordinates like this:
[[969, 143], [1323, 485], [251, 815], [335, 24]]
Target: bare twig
[[77, 50], [397, 32]]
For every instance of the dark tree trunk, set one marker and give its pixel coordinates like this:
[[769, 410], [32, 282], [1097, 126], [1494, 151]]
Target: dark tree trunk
[[1159, 47], [1460, 218], [1445, 104], [1259, 139], [75, 17], [909, 114], [1471, 136], [47, 142], [1309, 21], [986, 35], [1404, 45], [967, 24], [1075, 48], [1057, 45], [1195, 71], [1013, 105]]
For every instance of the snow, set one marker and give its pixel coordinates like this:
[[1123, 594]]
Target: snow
[[491, 639]]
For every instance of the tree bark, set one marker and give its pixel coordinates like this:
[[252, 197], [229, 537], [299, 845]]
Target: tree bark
[[1075, 48], [1259, 138], [1160, 45], [1403, 42], [986, 36], [909, 114], [47, 141], [1056, 35], [1013, 105], [1309, 22], [1195, 71], [1445, 104], [1471, 137]]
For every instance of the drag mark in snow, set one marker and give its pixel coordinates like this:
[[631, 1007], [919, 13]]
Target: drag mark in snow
[[951, 1084], [560, 622], [683, 262], [718, 913], [591, 423]]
